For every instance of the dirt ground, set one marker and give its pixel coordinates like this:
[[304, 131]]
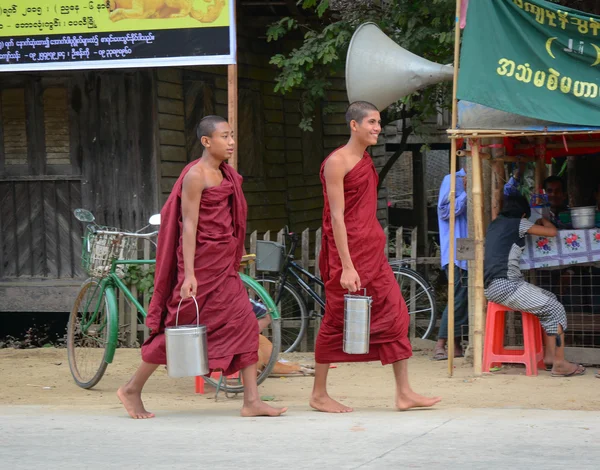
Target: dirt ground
[[42, 377]]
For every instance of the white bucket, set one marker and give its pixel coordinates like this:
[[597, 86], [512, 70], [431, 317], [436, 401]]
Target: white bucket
[[187, 352]]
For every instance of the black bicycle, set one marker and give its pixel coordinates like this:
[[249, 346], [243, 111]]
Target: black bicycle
[[293, 288]]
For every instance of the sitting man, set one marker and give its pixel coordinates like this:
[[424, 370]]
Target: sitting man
[[505, 285]]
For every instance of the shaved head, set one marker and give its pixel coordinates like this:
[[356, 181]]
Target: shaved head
[[358, 110], [207, 126]]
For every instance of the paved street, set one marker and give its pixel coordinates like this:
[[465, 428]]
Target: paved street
[[36, 437]]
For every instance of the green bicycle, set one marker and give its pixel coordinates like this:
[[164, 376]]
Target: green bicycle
[[93, 328]]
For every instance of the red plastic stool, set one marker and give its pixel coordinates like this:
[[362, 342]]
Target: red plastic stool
[[215, 375], [494, 352]]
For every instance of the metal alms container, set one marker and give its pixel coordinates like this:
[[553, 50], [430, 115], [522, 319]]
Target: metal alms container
[[357, 323], [583, 217], [187, 352]]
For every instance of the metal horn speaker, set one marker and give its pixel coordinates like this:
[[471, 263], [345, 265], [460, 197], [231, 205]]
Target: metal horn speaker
[[381, 72]]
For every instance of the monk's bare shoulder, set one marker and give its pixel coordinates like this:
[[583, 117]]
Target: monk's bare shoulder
[[337, 163], [195, 179]]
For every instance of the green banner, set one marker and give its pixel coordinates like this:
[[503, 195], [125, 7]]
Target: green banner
[[533, 58]]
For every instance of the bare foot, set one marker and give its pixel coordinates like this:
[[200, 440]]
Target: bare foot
[[327, 404], [132, 402], [260, 408], [414, 400]]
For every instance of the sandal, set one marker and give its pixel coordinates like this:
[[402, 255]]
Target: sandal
[[579, 370], [440, 356]]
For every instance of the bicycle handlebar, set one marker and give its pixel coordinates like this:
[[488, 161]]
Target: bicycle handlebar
[[292, 235]]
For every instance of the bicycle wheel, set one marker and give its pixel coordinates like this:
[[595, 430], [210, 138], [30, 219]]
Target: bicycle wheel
[[293, 311], [89, 346], [420, 299], [272, 333]]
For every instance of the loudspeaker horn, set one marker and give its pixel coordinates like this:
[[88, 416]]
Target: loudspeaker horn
[[381, 72]]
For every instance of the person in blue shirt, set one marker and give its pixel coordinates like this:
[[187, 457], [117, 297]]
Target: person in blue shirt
[[461, 289]]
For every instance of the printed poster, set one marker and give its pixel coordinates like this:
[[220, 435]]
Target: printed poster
[[87, 34]]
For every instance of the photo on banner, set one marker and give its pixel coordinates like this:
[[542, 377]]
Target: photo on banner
[[532, 58], [79, 34]]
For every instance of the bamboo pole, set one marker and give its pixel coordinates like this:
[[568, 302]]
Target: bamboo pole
[[452, 195], [570, 143], [478, 236], [232, 108], [497, 177], [487, 156], [467, 153], [483, 189], [497, 186], [540, 163], [473, 133]]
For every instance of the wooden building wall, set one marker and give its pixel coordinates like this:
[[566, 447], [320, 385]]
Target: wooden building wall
[[69, 140]]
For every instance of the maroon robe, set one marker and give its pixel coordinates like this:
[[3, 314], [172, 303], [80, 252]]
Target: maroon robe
[[231, 325], [389, 316]]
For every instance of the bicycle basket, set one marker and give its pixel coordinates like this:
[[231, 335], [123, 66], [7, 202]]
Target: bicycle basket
[[269, 256], [100, 250]]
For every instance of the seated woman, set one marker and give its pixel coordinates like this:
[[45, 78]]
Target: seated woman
[[505, 285]]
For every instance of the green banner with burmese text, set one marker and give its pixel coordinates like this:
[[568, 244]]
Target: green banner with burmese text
[[534, 58]]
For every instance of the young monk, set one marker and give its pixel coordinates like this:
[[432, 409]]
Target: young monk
[[352, 258], [200, 246]]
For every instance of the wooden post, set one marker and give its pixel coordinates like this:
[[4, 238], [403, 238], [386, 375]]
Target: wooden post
[[498, 177], [318, 288], [420, 199], [386, 248], [399, 243], [478, 236], [232, 108], [146, 304], [414, 248], [305, 262], [253, 240], [451, 253], [413, 265], [452, 196], [305, 248]]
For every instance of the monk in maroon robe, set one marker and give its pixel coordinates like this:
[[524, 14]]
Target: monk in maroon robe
[[200, 246], [352, 258]]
